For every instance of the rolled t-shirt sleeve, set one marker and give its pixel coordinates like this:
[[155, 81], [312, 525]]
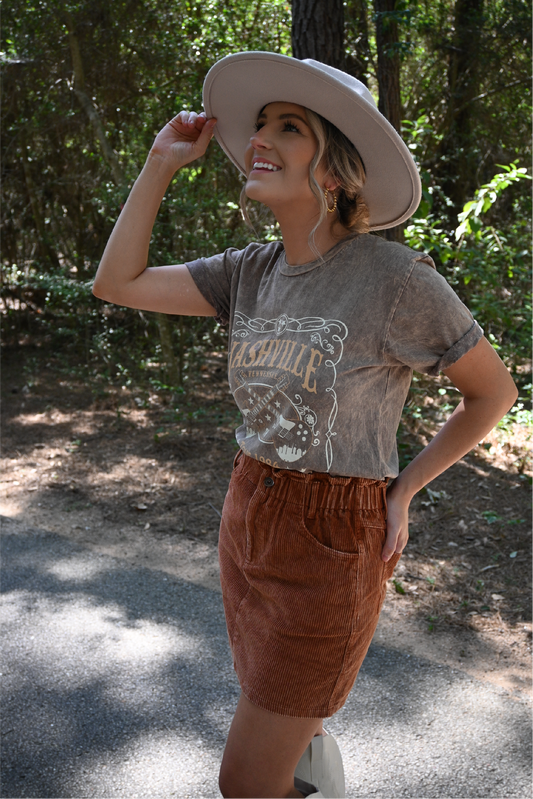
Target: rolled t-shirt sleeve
[[213, 277], [430, 328]]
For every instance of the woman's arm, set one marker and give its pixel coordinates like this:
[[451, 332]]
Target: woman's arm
[[488, 393], [122, 276]]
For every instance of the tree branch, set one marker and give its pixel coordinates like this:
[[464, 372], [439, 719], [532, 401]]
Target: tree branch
[[492, 91], [86, 103], [107, 151]]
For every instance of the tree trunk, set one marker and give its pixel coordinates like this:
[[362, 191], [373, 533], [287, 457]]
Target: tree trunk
[[318, 31], [172, 372], [457, 158], [388, 62], [389, 77], [88, 106], [44, 248], [358, 54]]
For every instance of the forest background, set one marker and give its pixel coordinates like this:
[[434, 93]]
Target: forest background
[[86, 86]]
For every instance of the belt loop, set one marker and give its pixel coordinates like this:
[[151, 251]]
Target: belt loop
[[383, 492], [283, 486], [333, 496], [344, 493], [315, 487], [352, 493]]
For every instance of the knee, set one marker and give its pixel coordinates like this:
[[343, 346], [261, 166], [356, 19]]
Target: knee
[[228, 784], [234, 785]]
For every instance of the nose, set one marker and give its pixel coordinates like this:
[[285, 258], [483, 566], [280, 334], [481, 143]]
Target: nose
[[259, 141]]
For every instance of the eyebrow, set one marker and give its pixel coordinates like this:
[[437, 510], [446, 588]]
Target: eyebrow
[[286, 116]]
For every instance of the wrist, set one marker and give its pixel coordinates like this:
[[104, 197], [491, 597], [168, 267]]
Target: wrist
[[402, 488], [160, 166]]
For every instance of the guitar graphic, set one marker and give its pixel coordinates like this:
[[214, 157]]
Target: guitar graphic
[[267, 418]]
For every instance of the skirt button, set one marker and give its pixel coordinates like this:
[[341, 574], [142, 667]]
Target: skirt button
[[269, 481]]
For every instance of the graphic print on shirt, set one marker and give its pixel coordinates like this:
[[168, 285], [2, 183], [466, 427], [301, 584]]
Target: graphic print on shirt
[[282, 374]]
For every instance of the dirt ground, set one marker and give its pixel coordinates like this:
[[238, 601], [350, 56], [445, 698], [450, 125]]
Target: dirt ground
[[123, 472]]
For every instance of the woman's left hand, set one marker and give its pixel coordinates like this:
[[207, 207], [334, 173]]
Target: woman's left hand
[[397, 522]]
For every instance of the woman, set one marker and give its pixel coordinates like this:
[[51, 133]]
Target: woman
[[325, 329]]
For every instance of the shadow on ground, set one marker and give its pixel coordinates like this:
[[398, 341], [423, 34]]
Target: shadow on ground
[[118, 682], [98, 656]]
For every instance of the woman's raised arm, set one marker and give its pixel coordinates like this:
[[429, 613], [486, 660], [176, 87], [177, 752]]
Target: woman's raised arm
[[122, 276]]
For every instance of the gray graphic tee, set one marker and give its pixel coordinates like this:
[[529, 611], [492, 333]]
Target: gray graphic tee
[[321, 355]]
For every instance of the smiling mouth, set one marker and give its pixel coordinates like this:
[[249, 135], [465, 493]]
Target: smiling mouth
[[265, 166]]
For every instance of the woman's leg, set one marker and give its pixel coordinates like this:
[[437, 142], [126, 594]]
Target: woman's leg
[[262, 752]]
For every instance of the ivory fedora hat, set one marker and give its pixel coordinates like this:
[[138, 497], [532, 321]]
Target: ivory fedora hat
[[239, 85]]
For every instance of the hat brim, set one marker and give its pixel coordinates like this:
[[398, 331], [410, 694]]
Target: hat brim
[[239, 85]]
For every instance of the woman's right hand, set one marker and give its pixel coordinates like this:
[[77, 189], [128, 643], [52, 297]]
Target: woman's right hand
[[183, 139]]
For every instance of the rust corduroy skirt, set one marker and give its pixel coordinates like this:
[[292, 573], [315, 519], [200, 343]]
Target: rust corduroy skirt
[[303, 583]]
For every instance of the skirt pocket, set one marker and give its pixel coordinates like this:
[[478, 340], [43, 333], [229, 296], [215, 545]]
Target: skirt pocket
[[300, 585], [333, 532]]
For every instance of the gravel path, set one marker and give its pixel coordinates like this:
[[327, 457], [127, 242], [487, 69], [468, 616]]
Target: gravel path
[[117, 682]]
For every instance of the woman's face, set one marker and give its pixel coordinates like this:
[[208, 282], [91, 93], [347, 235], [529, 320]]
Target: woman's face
[[278, 156]]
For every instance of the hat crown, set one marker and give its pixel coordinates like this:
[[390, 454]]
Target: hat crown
[[348, 80]]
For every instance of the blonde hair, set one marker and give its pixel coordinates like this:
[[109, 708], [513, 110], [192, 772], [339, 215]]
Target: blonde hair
[[345, 165]]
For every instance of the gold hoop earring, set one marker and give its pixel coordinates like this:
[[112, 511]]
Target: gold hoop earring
[[334, 206]]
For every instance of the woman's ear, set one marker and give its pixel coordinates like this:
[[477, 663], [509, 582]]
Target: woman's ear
[[331, 182]]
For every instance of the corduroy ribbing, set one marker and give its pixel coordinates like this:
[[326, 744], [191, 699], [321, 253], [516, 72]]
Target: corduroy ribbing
[[303, 583]]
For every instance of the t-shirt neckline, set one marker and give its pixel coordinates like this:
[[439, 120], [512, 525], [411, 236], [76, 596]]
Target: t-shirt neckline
[[300, 269]]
